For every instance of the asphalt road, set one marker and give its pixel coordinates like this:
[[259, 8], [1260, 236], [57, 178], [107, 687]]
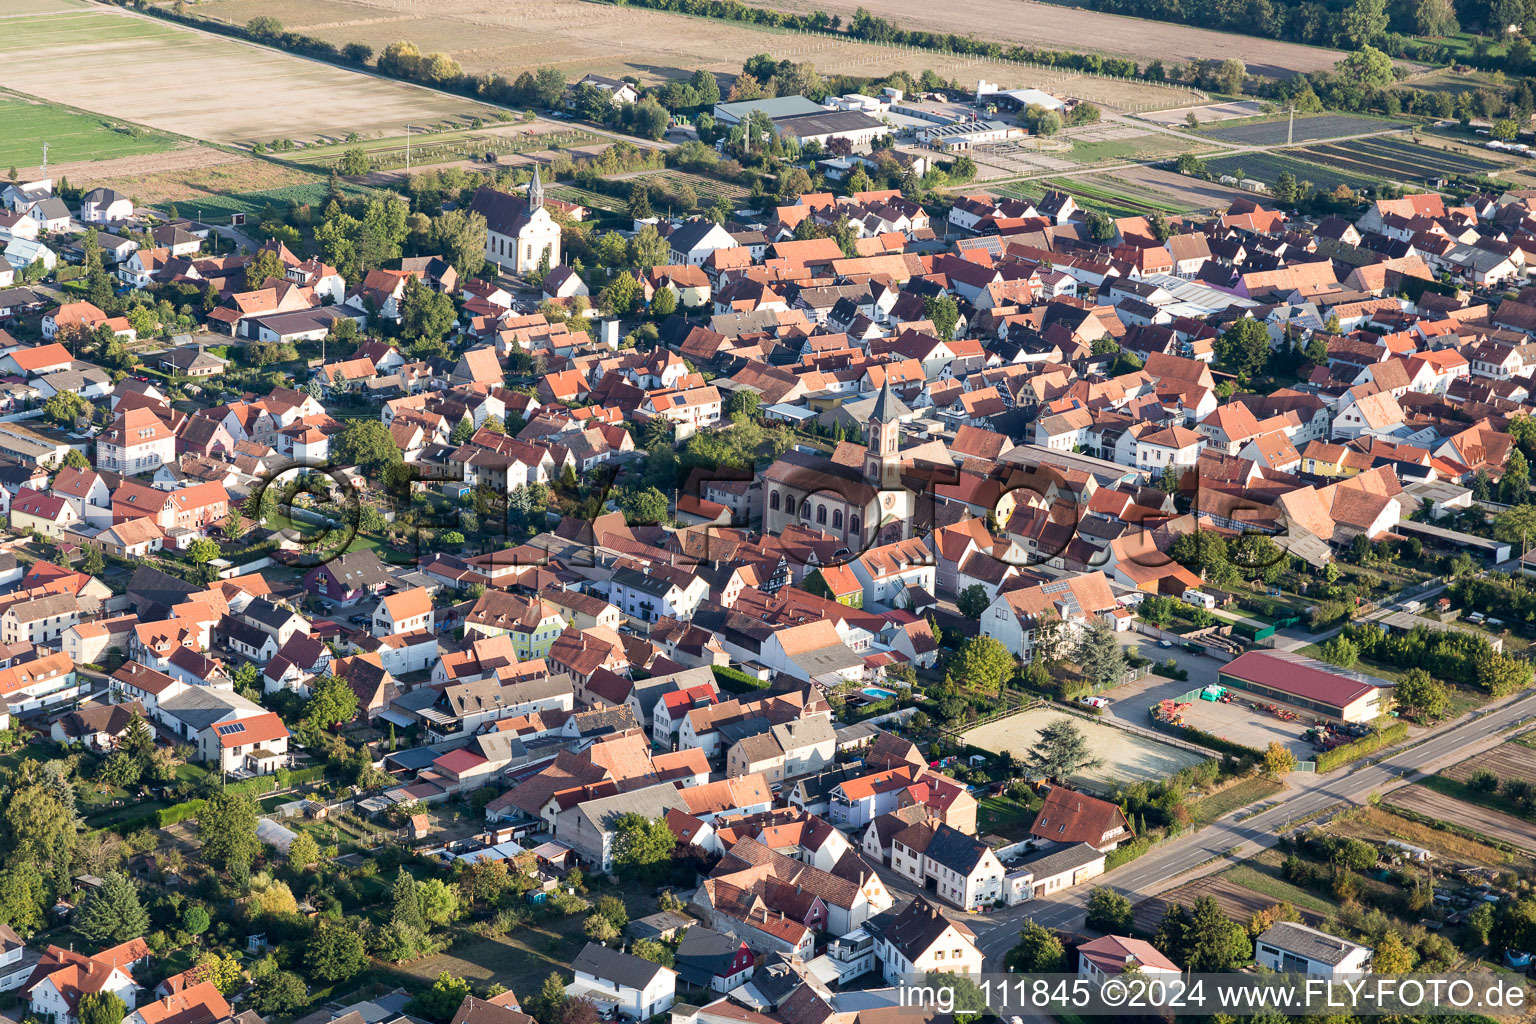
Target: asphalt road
[[1208, 849]]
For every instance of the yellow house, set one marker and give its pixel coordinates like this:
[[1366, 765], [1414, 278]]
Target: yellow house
[[532, 623], [838, 583], [1333, 461], [583, 610], [48, 515]]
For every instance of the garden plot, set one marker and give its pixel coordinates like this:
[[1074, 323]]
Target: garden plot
[[1238, 902], [1125, 757], [1205, 113]]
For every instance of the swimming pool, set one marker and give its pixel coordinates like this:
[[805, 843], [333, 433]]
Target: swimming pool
[[877, 693]]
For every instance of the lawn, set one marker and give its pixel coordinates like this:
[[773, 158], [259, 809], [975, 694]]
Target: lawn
[[1250, 877], [254, 204], [71, 135], [1240, 794], [1005, 816]]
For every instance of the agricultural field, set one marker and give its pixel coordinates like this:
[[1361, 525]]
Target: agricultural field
[[1377, 824], [1518, 832], [1122, 193], [1508, 761], [1125, 757], [1060, 27], [585, 197], [1361, 163], [180, 176], [580, 37], [123, 65], [221, 207], [1312, 128], [71, 135], [707, 189], [1237, 901], [449, 143]]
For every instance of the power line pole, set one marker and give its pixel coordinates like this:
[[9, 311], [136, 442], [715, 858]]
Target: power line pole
[[45, 159], [1290, 128]]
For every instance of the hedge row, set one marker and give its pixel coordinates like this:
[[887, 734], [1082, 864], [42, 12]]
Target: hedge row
[[737, 681], [1328, 760], [1210, 741]]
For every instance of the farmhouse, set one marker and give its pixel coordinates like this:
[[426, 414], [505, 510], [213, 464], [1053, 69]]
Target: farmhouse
[[1306, 683]]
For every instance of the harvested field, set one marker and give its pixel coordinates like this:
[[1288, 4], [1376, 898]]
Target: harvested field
[[1118, 193], [1363, 162], [1126, 757], [1517, 832], [1205, 113], [1074, 28], [1308, 129], [580, 37], [1238, 902], [180, 176], [263, 95], [1205, 194], [1509, 761], [433, 148]]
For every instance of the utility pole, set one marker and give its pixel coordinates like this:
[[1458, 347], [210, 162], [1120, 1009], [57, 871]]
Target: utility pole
[[1290, 128], [408, 149], [45, 159]]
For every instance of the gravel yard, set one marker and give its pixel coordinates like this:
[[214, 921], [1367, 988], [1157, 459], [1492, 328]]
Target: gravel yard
[[1126, 757]]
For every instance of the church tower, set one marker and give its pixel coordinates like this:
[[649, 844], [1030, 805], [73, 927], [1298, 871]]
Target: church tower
[[882, 445], [535, 191]]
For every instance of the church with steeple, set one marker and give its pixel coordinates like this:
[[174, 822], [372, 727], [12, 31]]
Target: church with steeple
[[857, 495], [520, 235]]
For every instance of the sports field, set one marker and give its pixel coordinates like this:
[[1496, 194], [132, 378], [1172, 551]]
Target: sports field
[[1126, 757], [71, 135], [135, 68], [580, 37]]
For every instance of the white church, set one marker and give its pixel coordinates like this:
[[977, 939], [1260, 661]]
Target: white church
[[520, 234]]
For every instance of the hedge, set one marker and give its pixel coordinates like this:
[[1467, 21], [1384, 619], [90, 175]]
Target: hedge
[[1210, 741], [179, 812], [737, 681], [1328, 760]]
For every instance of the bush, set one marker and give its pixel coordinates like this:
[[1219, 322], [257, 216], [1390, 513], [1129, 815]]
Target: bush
[[1328, 760], [736, 681]]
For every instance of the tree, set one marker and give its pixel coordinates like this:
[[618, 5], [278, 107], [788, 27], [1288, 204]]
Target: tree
[[425, 313], [1516, 525], [1366, 68], [1363, 21], [366, 444], [642, 844], [548, 1005], [984, 663], [223, 970], [111, 912], [75, 459], [645, 507], [1391, 955], [227, 828], [654, 951], [1099, 653], [1061, 751], [332, 702], [1515, 486], [1039, 951], [265, 264], [945, 314], [1435, 18], [599, 929], [442, 1000], [1109, 911], [1421, 695], [203, 550], [1505, 129], [335, 953], [1278, 760], [663, 303], [1340, 651], [101, 1008], [973, 601], [1244, 347], [194, 919], [648, 249], [460, 237], [303, 851], [276, 992], [1204, 939]]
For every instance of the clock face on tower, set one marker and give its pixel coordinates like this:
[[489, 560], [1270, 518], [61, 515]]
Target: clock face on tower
[[890, 500]]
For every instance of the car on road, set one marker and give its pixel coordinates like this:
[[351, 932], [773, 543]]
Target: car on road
[[1165, 643]]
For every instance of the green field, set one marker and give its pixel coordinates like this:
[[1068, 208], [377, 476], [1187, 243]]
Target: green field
[[71, 136], [1112, 196], [221, 207]]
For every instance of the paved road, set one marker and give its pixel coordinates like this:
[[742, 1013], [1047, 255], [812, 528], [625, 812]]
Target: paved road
[[1204, 851]]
